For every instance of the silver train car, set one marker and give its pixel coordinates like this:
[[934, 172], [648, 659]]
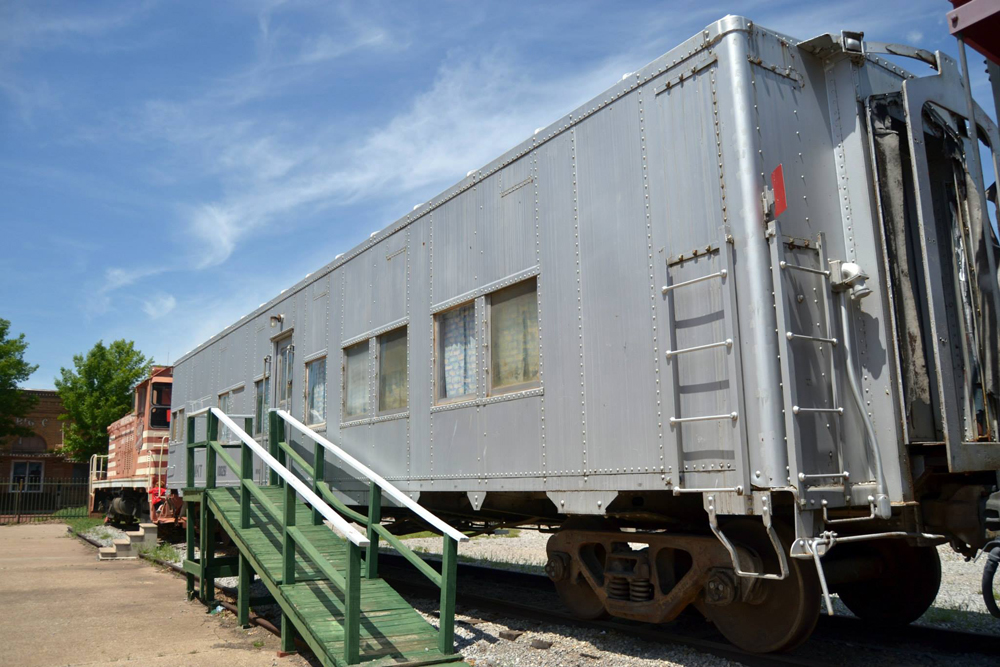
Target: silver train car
[[729, 330]]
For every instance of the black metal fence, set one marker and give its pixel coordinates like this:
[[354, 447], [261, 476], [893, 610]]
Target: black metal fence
[[30, 500]]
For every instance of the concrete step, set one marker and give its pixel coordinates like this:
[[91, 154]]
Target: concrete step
[[106, 553]]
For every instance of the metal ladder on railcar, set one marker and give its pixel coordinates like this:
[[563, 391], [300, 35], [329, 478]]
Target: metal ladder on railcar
[[788, 339], [330, 596], [724, 274]]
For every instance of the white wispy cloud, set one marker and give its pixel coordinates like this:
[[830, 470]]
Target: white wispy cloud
[[159, 305]]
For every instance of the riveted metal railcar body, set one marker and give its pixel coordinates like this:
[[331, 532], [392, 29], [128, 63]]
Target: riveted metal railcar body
[[677, 234]]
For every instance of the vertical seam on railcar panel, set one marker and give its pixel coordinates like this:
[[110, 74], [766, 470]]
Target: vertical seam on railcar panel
[[579, 301], [652, 279]]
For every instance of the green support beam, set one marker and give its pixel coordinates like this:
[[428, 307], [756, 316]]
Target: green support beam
[[449, 575], [243, 592], [374, 519]]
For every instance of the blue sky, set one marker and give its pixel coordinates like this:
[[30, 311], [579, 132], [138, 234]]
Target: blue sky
[[161, 162]]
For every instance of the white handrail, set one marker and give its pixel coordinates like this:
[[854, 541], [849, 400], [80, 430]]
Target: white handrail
[[342, 526], [365, 471]]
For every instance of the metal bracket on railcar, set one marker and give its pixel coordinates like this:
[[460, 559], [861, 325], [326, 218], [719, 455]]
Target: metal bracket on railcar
[[713, 522]]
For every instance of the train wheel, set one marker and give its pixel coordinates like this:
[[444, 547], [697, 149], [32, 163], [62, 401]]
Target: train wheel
[[776, 615], [906, 588], [571, 586], [580, 599]]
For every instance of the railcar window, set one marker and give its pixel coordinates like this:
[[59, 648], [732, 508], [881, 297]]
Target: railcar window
[[177, 426], [514, 338], [316, 392], [262, 403], [228, 402], [455, 362], [224, 406], [393, 386], [356, 381]]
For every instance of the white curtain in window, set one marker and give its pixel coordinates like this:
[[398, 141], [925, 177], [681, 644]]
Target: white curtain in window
[[457, 353], [392, 377], [316, 410], [514, 336], [356, 380]]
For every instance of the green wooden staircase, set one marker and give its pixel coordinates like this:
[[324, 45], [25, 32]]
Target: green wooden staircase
[[330, 596]]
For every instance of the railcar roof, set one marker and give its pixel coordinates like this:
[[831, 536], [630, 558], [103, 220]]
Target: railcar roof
[[706, 38]]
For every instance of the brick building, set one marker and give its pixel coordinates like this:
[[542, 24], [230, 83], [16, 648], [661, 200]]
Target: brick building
[[39, 456]]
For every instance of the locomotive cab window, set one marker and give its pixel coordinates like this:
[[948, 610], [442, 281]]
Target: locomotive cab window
[[159, 411], [316, 392], [513, 315], [455, 356], [356, 381], [393, 382]]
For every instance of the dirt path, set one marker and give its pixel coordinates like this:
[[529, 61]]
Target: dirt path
[[63, 607]]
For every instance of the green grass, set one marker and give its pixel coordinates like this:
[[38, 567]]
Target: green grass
[[77, 519], [163, 552]]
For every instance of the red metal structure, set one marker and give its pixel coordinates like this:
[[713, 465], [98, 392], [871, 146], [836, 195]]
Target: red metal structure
[[128, 484]]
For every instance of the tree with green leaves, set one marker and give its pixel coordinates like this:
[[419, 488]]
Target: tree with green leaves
[[14, 370], [97, 393]]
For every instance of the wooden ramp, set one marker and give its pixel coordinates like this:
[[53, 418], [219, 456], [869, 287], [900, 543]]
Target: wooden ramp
[[331, 598], [392, 632]]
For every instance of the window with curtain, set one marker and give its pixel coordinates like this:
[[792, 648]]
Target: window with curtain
[[455, 375], [393, 388], [514, 338], [316, 392], [356, 381]]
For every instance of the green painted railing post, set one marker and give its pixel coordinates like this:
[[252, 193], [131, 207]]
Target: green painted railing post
[[352, 605], [287, 634], [243, 592], [246, 475], [374, 518], [189, 527], [319, 468], [449, 575], [288, 544], [207, 520], [211, 436], [274, 428], [206, 547]]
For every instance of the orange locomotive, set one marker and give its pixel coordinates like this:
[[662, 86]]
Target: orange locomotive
[[128, 484]]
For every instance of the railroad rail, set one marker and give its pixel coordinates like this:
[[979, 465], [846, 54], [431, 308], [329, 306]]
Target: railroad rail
[[691, 630]]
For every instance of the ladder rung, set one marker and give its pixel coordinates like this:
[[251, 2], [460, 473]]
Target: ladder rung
[[733, 416], [728, 343], [816, 339], [719, 274], [796, 410], [819, 272]]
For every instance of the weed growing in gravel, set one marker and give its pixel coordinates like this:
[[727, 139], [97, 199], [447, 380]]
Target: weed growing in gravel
[[164, 552], [75, 518]]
